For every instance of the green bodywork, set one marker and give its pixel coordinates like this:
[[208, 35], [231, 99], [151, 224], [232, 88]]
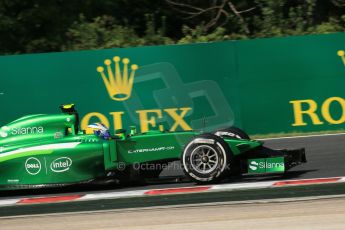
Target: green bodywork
[[49, 149]]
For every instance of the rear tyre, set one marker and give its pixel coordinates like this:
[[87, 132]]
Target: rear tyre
[[207, 159], [232, 132]]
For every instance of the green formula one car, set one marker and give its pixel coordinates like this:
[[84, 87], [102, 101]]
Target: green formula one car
[[50, 150]]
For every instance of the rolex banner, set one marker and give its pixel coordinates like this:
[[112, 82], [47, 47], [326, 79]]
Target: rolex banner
[[263, 86]]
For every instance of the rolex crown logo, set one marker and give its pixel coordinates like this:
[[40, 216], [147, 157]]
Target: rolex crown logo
[[119, 83], [341, 53]]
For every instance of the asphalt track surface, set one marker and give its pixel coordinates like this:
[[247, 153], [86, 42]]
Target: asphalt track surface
[[325, 156]]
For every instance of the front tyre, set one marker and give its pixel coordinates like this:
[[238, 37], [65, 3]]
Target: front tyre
[[206, 159]]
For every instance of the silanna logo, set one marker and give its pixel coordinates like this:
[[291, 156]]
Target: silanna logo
[[263, 165], [5, 131], [253, 165], [118, 83]]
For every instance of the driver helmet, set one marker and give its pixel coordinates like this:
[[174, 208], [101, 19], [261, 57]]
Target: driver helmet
[[100, 130]]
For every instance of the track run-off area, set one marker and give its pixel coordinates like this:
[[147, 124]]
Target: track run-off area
[[310, 214]]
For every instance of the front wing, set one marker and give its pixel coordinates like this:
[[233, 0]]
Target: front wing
[[265, 160]]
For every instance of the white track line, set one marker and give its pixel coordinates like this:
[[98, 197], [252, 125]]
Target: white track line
[[9, 202], [305, 136], [113, 195]]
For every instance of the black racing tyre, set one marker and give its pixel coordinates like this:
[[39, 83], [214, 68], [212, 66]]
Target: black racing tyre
[[232, 132], [207, 158]]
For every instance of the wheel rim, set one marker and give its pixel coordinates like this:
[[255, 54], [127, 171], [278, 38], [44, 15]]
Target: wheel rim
[[204, 159]]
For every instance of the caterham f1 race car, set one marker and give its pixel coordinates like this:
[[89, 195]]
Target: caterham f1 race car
[[51, 150]]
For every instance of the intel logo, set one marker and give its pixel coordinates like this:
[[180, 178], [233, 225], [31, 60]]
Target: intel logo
[[61, 164]]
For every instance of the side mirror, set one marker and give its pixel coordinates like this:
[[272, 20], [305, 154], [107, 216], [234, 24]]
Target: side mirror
[[133, 130]]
